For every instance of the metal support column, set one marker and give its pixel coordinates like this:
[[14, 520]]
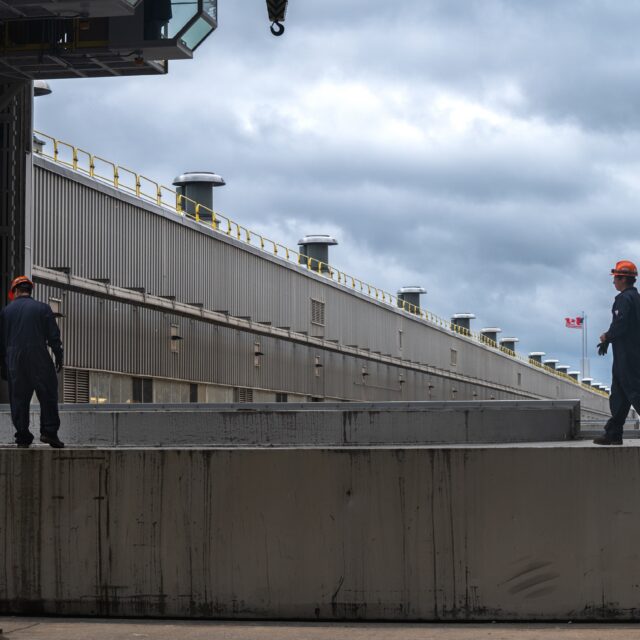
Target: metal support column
[[16, 134]]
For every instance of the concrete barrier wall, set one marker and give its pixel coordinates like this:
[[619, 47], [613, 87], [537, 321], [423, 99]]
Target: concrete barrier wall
[[464, 533], [314, 424]]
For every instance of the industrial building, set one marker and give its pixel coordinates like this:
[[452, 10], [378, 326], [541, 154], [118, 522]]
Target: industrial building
[[160, 299]]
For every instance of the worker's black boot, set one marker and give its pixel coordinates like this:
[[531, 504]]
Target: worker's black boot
[[607, 441], [52, 441]]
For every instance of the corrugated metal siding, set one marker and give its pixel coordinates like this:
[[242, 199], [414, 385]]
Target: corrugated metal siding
[[99, 233]]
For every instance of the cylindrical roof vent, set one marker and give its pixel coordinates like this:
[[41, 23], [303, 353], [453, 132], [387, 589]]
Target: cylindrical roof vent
[[509, 343], [38, 144], [409, 298], [536, 356], [41, 88], [563, 368], [314, 251], [462, 320], [490, 334], [574, 374], [587, 381], [196, 187], [551, 363]]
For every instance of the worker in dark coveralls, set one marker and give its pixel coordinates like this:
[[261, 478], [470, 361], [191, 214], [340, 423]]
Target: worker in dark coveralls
[[624, 337], [27, 328]]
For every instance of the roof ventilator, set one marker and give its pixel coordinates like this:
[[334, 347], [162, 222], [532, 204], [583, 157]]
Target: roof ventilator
[[462, 321], [196, 188], [509, 343], [490, 335], [314, 252], [409, 298]]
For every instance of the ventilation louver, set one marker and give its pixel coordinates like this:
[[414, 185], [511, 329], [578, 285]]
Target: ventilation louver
[[317, 312], [244, 395], [75, 386]]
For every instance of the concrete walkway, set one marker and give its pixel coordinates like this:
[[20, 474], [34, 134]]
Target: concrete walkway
[[82, 629]]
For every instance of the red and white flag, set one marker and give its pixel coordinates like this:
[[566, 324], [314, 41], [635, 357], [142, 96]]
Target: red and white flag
[[573, 323]]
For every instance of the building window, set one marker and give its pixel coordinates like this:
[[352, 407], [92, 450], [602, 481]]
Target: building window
[[193, 392], [519, 379], [142, 390], [317, 312], [454, 357], [282, 397], [241, 394], [175, 338], [257, 354]]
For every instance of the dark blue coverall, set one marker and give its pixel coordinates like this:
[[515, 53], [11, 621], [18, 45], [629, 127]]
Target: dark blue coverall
[[624, 336], [27, 327]]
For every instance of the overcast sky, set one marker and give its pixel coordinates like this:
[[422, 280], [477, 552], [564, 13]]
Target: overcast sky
[[486, 150]]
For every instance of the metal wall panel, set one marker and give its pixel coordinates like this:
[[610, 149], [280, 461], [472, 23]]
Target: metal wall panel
[[98, 232]]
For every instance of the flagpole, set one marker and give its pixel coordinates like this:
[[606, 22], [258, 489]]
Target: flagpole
[[585, 368]]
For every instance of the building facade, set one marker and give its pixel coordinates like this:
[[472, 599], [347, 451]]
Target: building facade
[[156, 306]]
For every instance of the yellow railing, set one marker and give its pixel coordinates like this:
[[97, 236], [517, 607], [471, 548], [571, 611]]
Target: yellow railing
[[149, 190]]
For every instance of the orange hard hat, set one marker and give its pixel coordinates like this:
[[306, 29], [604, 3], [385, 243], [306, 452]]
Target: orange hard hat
[[17, 282], [625, 268]]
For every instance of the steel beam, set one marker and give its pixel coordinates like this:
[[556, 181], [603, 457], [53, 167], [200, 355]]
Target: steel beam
[[16, 133]]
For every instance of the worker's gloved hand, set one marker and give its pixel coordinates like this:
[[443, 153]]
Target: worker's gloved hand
[[3, 372], [59, 363], [602, 348]]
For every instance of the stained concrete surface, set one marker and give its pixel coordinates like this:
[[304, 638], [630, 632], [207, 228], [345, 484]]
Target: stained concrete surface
[[314, 424], [82, 629], [477, 533]]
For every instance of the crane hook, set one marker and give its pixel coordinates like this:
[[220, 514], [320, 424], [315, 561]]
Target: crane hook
[[277, 28]]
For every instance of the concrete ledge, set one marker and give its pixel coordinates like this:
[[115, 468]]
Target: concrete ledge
[[506, 533], [316, 424]]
